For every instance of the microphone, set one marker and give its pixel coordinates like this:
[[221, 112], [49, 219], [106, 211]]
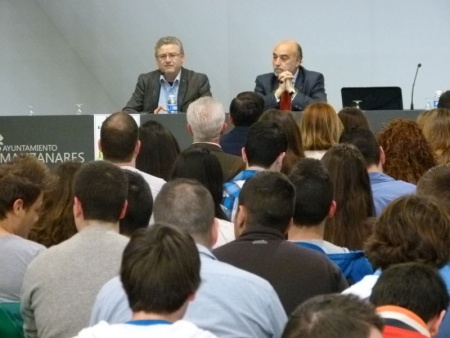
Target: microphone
[[414, 83]]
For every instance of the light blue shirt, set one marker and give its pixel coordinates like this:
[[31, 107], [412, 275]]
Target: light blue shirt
[[385, 189], [229, 303], [168, 89]]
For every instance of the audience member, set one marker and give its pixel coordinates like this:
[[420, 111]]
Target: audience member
[[160, 273], [353, 197], [206, 122], [56, 222], [295, 148], [61, 283], [230, 302], [201, 165], [334, 316], [435, 125], [385, 189], [313, 205], [320, 129], [410, 229], [264, 149], [245, 109], [120, 145], [288, 75], [266, 207], [444, 100], [153, 89], [435, 183], [139, 204], [352, 117], [158, 151], [408, 154], [22, 183], [412, 300]]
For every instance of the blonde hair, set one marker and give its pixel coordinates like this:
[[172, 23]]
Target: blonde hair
[[320, 127], [435, 125]]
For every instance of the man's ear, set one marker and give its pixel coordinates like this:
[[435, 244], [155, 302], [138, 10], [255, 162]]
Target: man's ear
[[18, 207], [244, 155], [276, 166], [332, 210], [77, 209], [189, 129], [137, 147], [123, 212], [382, 156], [435, 323], [214, 232], [240, 221], [99, 144], [224, 128]]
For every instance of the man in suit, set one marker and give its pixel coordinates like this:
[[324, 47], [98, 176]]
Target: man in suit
[[153, 89], [305, 86]]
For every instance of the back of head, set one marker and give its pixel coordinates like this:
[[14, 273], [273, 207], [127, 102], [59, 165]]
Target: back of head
[[333, 316], [353, 196], [444, 100], [435, 125], [435, 183], [56, 223], [160, 269], [24, 178], [410, 229], [365, 141], [416, 287], [320, 126], [101, 188], [266, 140], [188, 205], [118, 137], [202, 165], [206, 118], [268, 198], [408, 153], [352, 117], [158, 151], [314, 192], [246, 108], [140, 204]]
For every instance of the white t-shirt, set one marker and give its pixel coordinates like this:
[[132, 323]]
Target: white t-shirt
[[179, 329]]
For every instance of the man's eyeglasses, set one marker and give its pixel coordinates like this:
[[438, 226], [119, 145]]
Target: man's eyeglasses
[[171, 56]]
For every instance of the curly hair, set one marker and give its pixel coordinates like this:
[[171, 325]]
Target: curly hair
[[295, 146], [56, 223], [353, 197], [320, 127], [435, 125], [410, 229], [408, 153]]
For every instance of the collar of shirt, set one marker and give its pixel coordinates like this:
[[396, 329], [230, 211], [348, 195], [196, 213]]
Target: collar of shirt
[[168, 89]]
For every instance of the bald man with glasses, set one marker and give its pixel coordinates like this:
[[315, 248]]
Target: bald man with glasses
[[153, 89]]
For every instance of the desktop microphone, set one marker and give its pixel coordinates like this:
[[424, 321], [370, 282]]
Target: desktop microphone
[[414, 83]]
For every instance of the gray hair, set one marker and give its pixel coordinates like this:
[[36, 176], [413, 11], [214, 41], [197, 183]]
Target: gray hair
[[206, 117], [168, 40]]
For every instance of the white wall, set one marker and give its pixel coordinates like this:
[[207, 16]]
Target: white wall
[[56, 53]]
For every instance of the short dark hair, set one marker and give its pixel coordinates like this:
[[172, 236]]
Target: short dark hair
[[266, 140], [25, 178], [444, 100], [246, 108], [160, 269], [101, 187], [118, 137], [410, 229], [139, 206], [200, 164], [416, 287], [365, 141], [435, 183], [158, 151], [352, 117], [333, 316], [314, 192], [186, 204], [269, 200]]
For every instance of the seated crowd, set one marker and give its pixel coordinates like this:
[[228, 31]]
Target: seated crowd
[[280, 228]]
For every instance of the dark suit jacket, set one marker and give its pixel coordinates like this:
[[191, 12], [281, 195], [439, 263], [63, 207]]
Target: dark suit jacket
[[146, 95], [234, 140], [231, 165], [310, 87]]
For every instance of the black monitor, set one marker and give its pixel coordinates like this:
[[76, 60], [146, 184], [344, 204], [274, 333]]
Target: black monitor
[[372, 98]]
